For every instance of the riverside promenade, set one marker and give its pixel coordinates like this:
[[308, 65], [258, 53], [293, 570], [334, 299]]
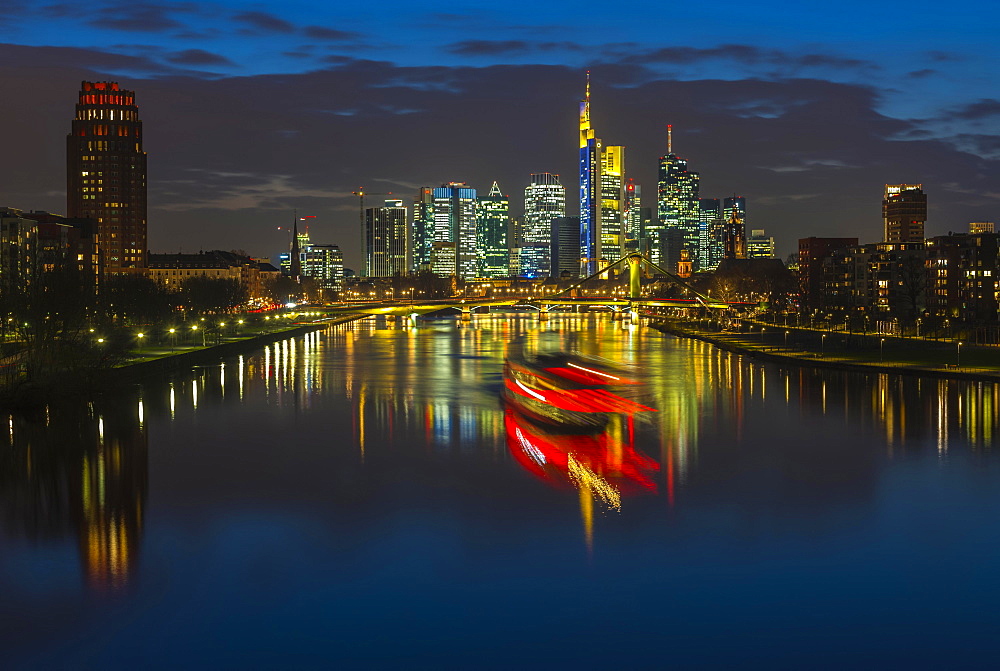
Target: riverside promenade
[[865, 352]]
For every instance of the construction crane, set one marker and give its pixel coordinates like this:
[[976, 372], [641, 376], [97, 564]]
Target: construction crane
[[361, 193]]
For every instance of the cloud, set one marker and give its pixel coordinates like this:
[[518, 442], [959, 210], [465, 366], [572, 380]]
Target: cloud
[[921, 74], [332, 34], [739, 53], [264, 22], [982, 109], [198, 57], [506, 47], [139, 17]]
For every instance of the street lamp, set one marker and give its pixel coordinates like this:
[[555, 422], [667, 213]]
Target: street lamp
[[822, 345], [958, 356], [786, 339], [881, 350], [173, 339]]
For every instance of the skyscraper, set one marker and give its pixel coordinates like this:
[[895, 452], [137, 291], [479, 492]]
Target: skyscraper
[[734, 231], [590, 190], [565, 247], [710, 232], [544, 200], [387, 243], [106, 173], [760, 246], [904, 211], [633, 216], [454, 248], [492, 226], [677, 203], [613, 197], [423, 229]]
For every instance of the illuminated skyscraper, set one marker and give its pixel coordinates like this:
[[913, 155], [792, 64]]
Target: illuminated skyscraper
[[734, 236], [544, 200], [904, 211], [710, 232], [633, 215], [590, 190], [760, 246], [454, 248], [565, 247], [613, 199], [423, 229], [387, 244], [492, 226], [106, 173], [677, 202]]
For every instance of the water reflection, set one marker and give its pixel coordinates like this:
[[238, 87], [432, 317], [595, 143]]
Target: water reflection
[[429, 397], [80, 472]]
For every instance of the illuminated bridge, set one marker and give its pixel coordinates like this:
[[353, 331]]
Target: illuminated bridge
[[620, 305]]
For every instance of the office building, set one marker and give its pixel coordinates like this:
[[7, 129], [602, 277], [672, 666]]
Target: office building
[[387, 240], [904, 211], [106, 173], [613, 202], [590, 190], [977, 227], [677, 202], [453, 251], [760, 246], [492, 234], [422, 238], [813, 253], [325, 265], [565, 246], [711, 227], [544, 200]]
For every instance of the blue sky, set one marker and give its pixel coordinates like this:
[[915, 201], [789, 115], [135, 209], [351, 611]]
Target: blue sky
[[827, 99]]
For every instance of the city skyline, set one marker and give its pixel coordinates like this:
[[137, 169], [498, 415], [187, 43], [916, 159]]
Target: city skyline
[[811, 149]]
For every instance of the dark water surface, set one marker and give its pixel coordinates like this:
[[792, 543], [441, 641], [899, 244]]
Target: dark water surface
[[358, 498]]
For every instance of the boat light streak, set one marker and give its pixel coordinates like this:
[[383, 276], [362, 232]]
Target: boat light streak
[[531, 391], [589, 370]]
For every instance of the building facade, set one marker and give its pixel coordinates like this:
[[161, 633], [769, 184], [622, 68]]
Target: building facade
[[614, 202], [544, 200], [590, 190], [453, 251], [711, 228], [760, 246], [387, 241], [904, 212], [106, 173], [678, 190], [493, 234]]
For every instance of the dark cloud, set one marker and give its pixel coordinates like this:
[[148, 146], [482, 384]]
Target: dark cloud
[[944, 56], [323, 33], [198, 57], [139, 17], [506, 47], [739, 53], [921, 74], [264, 22], [982, 109]]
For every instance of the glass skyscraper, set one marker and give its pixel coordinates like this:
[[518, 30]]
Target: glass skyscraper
[[387, 245], [453, 250], [677, 205], [544, 200], [492, 226], [710, 231]]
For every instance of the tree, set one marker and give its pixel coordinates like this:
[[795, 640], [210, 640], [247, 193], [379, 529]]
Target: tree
[[134, 299], [212, 294]]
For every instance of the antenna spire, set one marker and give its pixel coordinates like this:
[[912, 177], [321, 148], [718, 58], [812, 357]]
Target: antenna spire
[[670, 138], [588, 87]]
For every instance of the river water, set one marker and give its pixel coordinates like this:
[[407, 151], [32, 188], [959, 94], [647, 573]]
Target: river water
[[359, 498]]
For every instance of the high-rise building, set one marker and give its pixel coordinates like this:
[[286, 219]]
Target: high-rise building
[[590, 190], [387, 243], [106, 173], [734, 232], [423, 229], [492, 233], [760, 246], [710, 232], [544, 200], [325, 264], [677, 202], [613, 202], [812, 254], [904, 211], [565, 247], [977, 227], [633, 216], [454, 247]]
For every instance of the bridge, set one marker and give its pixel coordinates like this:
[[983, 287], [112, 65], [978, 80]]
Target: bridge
[[620, 305]]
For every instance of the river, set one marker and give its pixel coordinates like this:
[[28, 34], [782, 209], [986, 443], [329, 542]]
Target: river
[[359, 498]]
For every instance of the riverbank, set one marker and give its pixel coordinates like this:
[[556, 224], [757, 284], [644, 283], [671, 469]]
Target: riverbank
[[152, 361], [846, 351]]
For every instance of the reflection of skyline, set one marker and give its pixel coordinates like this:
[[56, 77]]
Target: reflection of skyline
[[81, 471]]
